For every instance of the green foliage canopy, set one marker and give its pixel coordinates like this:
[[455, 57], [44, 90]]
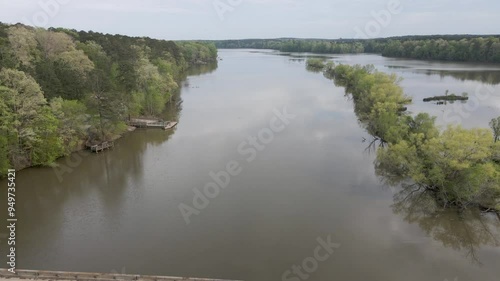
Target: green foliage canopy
[[60, 88], [459, 166]]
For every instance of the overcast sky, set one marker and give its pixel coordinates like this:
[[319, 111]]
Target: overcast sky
[[230, 19]]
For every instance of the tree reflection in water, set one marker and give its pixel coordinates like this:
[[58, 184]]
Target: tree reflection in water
[[427, 184], [464, 230]]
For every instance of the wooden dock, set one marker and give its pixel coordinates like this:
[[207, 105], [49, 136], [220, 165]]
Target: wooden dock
[[170, 125], [151, 123], [100, 147], [82, 276]]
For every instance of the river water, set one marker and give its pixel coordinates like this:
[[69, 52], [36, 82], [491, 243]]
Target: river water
[[310, 182]]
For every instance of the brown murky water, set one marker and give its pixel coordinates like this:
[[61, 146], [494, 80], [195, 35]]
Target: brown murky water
[[311, 180]]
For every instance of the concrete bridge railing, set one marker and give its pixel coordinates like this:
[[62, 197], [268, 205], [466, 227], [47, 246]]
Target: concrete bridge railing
[[83, 276]]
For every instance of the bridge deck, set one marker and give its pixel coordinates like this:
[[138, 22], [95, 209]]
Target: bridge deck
[[82, 276]]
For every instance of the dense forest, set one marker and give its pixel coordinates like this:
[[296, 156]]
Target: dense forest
[[61, 88], [458, 167], [448, 47]]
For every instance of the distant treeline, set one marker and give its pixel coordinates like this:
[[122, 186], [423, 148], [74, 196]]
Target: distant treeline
[[60, 88], [467, 48]]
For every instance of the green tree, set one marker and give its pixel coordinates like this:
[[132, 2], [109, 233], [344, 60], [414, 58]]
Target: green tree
[[156, 87], [24, 45], [32, 125], [4, 156], [7, 56], [495, 126], [73, 120], [106, 108], [72, 70], [53, 44], [6, 131], [46, 145], [315, 64]]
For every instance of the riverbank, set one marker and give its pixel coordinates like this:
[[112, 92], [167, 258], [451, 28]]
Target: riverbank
[[451, 48], [110, 78], [82, 146]]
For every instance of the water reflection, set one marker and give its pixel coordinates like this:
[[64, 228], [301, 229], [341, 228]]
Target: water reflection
[[490, 77], [108, 180], [202, 69], [197, 71], [314, 69], [487, 77], [462, 230], [459, 71]]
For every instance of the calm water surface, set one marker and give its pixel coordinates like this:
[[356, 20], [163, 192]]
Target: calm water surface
[[119, 211]]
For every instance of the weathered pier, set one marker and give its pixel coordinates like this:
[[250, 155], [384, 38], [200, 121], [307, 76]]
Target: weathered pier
[[102, 146], [150, 123], [83, 276]]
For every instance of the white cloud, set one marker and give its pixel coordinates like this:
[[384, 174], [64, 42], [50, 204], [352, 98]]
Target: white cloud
[[147, 6], [197, 19]]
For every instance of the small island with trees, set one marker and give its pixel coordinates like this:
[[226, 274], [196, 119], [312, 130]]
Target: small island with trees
[[315, 64], [448, 97]]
